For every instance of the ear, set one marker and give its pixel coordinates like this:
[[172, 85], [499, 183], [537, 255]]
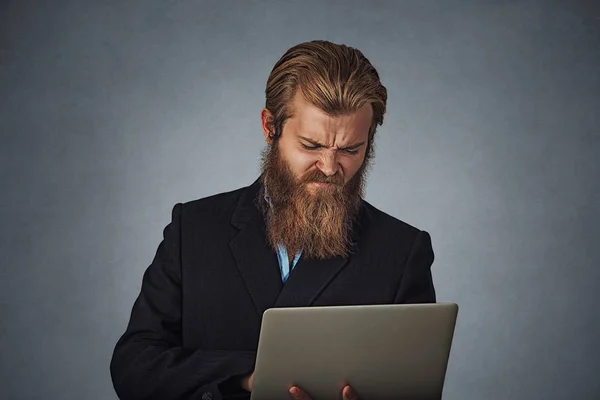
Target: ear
[[267, 119]]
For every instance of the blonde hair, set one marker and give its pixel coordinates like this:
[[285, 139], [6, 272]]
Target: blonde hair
[[335, 78]]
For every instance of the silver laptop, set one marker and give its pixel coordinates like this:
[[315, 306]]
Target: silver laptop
[[382, 351]]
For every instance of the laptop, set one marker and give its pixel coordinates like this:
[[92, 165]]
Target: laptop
[[384, 352]]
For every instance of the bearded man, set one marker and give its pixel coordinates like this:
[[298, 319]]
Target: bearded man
[[301, 235]]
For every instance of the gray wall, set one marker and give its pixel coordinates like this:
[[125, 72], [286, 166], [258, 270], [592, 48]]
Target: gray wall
[[113, 111]]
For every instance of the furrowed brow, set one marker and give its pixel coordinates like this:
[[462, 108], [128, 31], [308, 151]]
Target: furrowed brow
[[352, 147], [313, 142]]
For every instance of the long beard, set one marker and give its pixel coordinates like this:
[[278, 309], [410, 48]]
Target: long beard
[[320, 223]]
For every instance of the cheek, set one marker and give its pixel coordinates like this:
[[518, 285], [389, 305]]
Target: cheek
[[351, 166], [300, 162], [304, 162]]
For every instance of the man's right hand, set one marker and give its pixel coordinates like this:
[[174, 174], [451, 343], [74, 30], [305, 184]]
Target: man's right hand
[[247, 382]]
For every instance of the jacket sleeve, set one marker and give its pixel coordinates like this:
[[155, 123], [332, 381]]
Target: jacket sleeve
[[416, 283], [149, 360]]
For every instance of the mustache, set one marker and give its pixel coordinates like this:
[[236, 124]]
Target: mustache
[[319, 177]]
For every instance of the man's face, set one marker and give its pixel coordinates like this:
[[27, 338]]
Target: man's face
[[314, 175], [314, 141]]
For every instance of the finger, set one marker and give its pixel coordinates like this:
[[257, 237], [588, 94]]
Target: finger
[[349, 394], [299, 394], [251, 381]]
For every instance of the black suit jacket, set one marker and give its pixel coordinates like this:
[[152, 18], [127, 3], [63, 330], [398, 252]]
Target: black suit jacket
[[194, 327]]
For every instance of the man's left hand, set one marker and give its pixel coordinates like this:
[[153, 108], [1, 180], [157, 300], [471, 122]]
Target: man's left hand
[[299, 394]]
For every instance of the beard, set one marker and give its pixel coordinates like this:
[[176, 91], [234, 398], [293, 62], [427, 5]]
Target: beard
[[321, 222]]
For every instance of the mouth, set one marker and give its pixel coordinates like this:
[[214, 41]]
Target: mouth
[[322, 185]]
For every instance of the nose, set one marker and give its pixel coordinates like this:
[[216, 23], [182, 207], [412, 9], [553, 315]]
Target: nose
[[327, 163]]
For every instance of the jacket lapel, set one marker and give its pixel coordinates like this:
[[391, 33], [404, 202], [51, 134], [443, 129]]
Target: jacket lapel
[[255, 259], [307, 280], [310, 277]]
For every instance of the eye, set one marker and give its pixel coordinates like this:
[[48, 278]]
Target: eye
[[351, 152], [307, 147]]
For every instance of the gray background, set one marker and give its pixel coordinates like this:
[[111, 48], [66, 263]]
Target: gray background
[[113, 111]]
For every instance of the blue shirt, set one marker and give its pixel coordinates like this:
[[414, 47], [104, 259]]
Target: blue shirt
[[284, 262], [282, 255]]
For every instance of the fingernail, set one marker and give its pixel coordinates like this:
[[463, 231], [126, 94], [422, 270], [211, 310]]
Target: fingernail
[[294, 391]]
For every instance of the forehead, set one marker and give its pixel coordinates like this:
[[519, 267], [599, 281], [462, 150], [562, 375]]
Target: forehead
[[310, 121]]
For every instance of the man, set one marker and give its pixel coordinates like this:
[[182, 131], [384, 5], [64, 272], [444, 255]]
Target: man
[[301, 235]]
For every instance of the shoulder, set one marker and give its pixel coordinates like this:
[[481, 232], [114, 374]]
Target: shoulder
[[387, 224], [387, 235], [215, 202], [214, 207]]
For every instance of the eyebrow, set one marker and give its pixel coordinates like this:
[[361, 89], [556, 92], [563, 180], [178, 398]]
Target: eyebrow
[[315, 143]]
